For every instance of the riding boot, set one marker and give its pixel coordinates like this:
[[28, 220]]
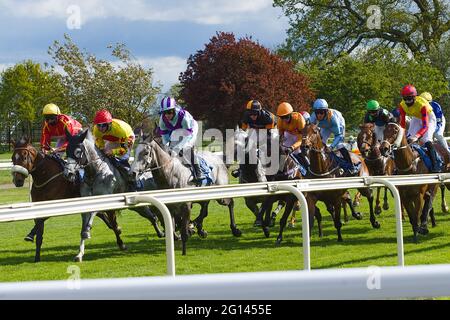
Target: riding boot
[[346, 154], [433, 156], [198, 174]]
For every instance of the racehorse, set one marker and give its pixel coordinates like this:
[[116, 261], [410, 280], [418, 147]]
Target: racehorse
[[378, 165], [417, 199], [322, 166], [48, 184], [170, 173], [101, 177], [251, 170]]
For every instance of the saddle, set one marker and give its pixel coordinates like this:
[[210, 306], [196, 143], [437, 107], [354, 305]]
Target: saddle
[[423, 154], [348, 168]]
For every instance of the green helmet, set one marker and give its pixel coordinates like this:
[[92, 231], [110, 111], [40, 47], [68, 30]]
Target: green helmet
[[373, 105]]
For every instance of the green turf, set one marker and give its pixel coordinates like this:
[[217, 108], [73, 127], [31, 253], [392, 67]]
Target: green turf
[[220, 252], [5, 156]]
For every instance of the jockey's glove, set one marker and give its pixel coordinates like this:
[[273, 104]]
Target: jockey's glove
[[412, 140]]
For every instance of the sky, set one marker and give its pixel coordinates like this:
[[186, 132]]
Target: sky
[[160, 34]]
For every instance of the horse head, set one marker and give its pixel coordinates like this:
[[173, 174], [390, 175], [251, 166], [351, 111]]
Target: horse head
[[366, 139], [311, 138], [393, 135], [76, 154], [144, 158], [24, 160]]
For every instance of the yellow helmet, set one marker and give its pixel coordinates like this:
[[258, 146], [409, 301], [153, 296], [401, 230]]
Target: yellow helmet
[[51, 109], [284, 109], [427, 96]]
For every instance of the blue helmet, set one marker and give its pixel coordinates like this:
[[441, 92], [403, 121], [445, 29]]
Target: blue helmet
[[320, 104]]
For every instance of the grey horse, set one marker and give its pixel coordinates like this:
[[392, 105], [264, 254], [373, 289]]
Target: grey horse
[[170, 173], [101, 177]]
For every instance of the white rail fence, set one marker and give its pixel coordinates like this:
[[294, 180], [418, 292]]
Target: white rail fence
[[160, 199], [355, 283]]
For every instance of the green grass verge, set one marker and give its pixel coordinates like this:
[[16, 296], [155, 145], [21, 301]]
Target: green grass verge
[[219, 253]]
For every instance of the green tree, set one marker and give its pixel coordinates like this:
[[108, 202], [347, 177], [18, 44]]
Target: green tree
[[124, 87], [377, 74], [330, 28], [24, 89]]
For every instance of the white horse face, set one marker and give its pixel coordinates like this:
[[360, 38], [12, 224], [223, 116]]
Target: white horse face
[[142, 159]]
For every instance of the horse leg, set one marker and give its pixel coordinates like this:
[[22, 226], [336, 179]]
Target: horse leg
[[444, 206], [30, 236], [283, 220], [234, 229], [185, 220], [348, 200], [344, 206], [368, 193], [39, 238], [337, 217], [377, 202], [318, 216], [357, 200], [112, 217], [152, 217], [275, 212], [198, 222], [412, 215], [251, 204], [385, 199], [87, 219]]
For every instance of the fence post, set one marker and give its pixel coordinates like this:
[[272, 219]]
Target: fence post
[[170, 247], [398, 215], [305, 221]]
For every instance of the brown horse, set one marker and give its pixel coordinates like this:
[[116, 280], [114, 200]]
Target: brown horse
[[322, 166], [48, 184], [417, 200], [378, 165]]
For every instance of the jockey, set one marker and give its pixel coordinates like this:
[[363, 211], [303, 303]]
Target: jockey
[[378, 116], [331, 121], [440, 119], [306, 116], [114, 137], [54, 127], [423, 121], [175, 122], [255, 117]]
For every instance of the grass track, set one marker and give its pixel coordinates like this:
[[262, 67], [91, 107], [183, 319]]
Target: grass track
[[220, 252]]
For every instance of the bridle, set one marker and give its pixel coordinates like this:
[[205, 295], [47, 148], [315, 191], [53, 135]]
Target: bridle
[[30, 160], [396, 146], [148, 161]]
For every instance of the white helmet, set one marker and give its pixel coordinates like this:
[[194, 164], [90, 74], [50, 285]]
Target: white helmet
[[167, 103]]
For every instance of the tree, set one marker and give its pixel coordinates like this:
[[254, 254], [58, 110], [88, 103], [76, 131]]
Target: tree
[[24, 89], [124, 87], [351, 81], [330, 28], [221, 78]]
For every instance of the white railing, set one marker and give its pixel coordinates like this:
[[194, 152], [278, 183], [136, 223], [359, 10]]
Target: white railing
[[6, 165], [160, 198], [353, 283]]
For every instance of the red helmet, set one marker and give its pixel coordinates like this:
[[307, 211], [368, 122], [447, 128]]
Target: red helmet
[[409, 91], [103, 116]]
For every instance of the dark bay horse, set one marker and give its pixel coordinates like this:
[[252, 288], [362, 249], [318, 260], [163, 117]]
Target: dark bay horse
[[417, 199], [378, 165], [48, 184], [322, 166]]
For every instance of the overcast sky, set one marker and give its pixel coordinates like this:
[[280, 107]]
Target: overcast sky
[[160, 34]]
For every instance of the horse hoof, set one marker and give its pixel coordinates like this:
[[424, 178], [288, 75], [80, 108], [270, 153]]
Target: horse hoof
[[357, 216], [29, 238], [161, 235], [291, 225], [266, 232], [237, 232], [278, 242], [385, 207], [123, 248], [445, 209], [376, 225], [203, 234], [423, 231], [258, 223], [78, 259], [377, 211], [85, 235]]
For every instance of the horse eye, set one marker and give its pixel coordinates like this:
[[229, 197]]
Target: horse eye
[[77, 153]]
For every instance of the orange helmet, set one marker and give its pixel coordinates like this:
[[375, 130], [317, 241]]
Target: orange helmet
[[284, 109]]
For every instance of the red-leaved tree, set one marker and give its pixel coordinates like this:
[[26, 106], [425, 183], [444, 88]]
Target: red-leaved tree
[[220, 79]]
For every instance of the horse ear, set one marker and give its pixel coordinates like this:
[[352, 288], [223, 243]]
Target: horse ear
[[68, 134], [83, 135]]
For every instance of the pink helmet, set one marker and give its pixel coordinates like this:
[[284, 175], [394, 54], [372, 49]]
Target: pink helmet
[[103, 116], [409, 91]]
